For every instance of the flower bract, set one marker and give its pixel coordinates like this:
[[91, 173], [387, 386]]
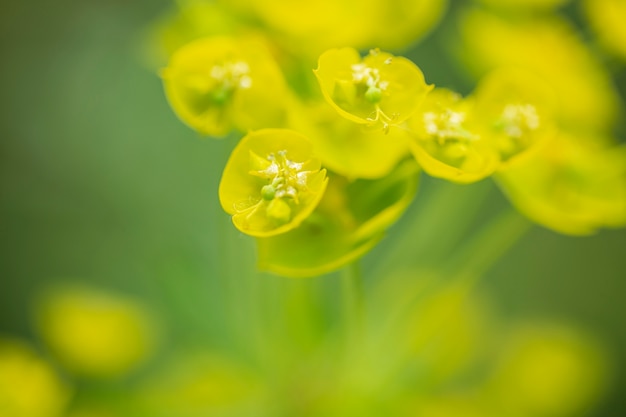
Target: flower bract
[[446, 141], [378, 89], [217, 84], [515, 112], [272, 182], [572, 186]]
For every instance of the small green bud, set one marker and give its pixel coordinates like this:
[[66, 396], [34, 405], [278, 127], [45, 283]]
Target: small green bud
[[373, 94], [268, 192], [220, 96]]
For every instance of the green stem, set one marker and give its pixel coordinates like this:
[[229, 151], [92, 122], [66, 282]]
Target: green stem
[[483, 251], [353, 301], [443, 215]]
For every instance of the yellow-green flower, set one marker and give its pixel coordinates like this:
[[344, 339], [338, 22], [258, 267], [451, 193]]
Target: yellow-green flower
[[29, 385], [378, 89], [447, 142], [606, 18], [217, 84], [95, 333], [307, 28], [550, 47], [515, 111], [547, 370], [349, 221], [272, 182], [572, 185], [400, 23]]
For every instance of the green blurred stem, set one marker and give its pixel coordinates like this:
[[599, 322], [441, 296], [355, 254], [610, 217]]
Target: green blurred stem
[[493, 241], [353, 299]]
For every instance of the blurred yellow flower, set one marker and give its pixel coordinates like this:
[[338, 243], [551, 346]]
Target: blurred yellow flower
[[95, 333], [572, 185], [515, 112], [29, 385], [446, 140], [606, 18], [550, 47], [308, 28], [220, 83], [547, 370]]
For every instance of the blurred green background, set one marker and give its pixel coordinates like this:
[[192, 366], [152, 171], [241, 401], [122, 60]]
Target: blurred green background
[[101, 183]]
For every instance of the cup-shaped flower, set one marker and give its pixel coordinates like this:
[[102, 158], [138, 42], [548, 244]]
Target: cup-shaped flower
[[549, 46], [572, 185], [272, 182], [515, 111], [378, 89], [219, 83], [349, 221], [446, 141]]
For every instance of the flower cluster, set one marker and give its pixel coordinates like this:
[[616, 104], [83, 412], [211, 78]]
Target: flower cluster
[[332, 155]]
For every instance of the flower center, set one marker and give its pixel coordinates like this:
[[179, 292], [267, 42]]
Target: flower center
[[518, 119], [229, 76], [447, 125], [369, 78], [286, 179]]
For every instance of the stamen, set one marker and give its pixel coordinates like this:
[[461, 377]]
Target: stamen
[[517, 119], [229, 76], [286, 178], [446, 125]]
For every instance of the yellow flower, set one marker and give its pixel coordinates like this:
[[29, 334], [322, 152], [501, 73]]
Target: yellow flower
[[572, 185], [550, 47], [95, 333], [446, 141], [515, 111], [379, 89], [399, 23], [220, 83], [547, 370], [272, 182], [307, 28], [29, 386], [607, 20]]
